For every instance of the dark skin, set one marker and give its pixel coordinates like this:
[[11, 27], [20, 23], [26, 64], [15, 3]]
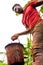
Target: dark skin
[[18, 9]]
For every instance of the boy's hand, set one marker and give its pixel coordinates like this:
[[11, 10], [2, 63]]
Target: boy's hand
[[14, 37]]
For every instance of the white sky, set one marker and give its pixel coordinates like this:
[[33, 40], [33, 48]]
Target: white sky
[[9, 22]]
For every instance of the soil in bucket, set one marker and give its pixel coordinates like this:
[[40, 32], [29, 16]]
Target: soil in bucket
[[14, 52]]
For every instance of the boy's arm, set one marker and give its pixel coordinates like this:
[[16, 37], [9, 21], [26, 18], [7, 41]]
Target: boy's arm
[[15, 36], [37, 4], [25, 32]]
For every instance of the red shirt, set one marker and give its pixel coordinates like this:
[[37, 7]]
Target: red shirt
[[30, 16]]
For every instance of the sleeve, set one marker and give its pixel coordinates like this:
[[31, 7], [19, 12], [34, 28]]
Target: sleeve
[[32, 3]]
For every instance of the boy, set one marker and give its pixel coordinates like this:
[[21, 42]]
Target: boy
[[34, 25]]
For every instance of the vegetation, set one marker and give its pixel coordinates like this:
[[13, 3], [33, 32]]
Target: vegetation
[[41, 9], [28, 53], [2, 63]]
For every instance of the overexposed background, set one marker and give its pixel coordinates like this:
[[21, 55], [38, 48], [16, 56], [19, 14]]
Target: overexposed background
[[9, 22]]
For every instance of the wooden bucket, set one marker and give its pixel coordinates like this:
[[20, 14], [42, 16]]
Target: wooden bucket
[[14, 52]]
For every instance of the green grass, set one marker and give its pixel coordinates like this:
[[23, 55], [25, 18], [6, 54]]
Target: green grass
[[2, 63]]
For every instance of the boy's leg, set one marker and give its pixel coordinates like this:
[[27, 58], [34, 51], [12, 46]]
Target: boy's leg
[[38, 45]]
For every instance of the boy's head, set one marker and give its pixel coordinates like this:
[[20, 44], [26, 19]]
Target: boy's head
[[17, 8]]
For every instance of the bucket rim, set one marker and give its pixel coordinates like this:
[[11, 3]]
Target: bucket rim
[[15, 43]]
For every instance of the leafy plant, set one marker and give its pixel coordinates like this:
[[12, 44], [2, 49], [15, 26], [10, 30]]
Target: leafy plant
[[17, 14], [3, 58], [28, 53], [2, 63], [41, 9]]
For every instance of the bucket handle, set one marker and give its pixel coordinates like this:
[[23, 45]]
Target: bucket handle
[[16, 39]]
